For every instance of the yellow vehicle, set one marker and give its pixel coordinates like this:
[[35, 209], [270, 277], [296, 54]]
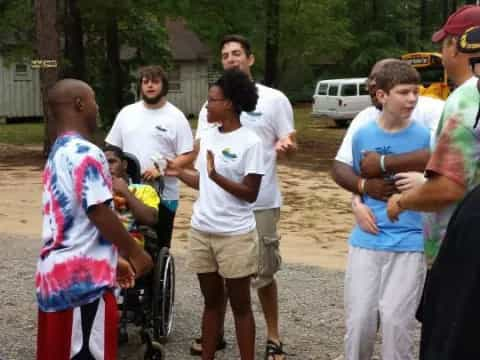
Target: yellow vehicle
[[434, 76]]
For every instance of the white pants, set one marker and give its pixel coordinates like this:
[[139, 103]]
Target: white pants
[[385, 286]]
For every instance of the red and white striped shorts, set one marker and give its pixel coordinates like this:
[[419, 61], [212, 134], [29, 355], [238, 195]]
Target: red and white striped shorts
[[88, 332]]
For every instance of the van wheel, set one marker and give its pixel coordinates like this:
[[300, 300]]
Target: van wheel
[[341, 123]]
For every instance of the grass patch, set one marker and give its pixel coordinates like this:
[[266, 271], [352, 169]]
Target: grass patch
[[32, 133], [21, 134]]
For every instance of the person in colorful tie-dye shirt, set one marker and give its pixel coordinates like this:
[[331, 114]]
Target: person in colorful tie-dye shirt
[[78, 265], [449, 310], [454, 166]]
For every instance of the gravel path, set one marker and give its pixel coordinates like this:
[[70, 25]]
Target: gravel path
[[310, 304]]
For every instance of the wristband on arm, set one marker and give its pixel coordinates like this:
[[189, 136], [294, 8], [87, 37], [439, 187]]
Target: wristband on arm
[[361, 186], [382, 164]]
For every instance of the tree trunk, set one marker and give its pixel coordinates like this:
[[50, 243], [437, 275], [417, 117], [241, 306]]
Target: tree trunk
[[47, 46], [74, 49], [374, 11], [454, 5], [423, 20], [271, 41], [114, 67]]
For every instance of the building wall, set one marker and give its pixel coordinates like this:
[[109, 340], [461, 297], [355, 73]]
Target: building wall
[[20, 94], [189, 86]]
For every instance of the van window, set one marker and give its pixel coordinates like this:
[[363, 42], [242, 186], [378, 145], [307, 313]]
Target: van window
[[322, 89], [333, 90], [363, 89], [349, 90]]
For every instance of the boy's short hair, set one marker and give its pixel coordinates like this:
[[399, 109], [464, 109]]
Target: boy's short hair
[[115, 150], [245, 44], [153, 72], [396, 72]]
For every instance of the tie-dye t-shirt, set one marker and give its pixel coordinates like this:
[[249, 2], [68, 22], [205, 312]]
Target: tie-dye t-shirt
[[76, 264], [456, 155]]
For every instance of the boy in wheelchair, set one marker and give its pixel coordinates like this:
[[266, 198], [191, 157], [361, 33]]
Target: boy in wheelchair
[[136, 204], [149, 304]]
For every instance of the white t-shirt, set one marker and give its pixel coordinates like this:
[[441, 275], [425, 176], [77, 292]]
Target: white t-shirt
[[147, 132], [236, 154], [427, 112], [271, 120]]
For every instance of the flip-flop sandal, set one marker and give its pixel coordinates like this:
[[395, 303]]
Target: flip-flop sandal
[[196, 347], [273, 349]]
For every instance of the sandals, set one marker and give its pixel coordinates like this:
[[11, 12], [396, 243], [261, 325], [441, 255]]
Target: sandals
[[273, 349], [196, 347]]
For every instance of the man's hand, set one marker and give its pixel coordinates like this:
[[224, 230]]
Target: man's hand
[[151, 174], [379, 188], [210, 164], [364, 216], [370, 165], [408, 180], [393, 207], [119, 186], [141, 263], [286, 145], [125, 274], [172, 169]]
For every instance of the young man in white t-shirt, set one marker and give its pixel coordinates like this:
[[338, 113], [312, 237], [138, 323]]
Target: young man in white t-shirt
[[152, 128], [272, 121]]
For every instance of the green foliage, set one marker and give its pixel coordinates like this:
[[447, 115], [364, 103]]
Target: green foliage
[[318, 38], [16, 30]]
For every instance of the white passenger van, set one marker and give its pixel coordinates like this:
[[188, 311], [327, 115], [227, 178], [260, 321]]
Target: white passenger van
[[340, 99]]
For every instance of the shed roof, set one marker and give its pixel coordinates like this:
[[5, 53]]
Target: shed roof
[[184, 43]]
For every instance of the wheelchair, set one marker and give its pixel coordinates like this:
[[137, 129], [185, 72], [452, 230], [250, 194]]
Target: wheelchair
[[150, 304]]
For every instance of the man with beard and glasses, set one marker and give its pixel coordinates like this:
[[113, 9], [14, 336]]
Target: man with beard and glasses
[[153, 128]]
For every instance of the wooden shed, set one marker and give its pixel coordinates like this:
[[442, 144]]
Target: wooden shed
[[20, 95], [189, 77]]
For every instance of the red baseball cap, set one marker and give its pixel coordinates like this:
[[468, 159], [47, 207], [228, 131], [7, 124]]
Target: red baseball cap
[[461, 20]]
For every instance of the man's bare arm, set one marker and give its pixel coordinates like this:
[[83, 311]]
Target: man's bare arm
[[112, 229], [345, 176], [370, 165], [436, 194], [185, 160]]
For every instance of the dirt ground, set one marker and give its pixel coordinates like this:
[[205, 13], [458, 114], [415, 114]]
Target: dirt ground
[[315, 219]]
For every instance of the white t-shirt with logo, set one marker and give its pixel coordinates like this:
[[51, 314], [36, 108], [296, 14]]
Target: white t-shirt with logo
[[147, 132], [236, 154], [427, 112], [271, 120]]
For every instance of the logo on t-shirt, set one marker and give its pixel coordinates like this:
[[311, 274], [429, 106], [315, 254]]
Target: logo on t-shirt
[[227, 154], [158, 127], [384, 150]]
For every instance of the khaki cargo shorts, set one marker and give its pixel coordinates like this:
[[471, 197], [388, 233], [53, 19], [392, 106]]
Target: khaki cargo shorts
[[269, 259], [232, 256]]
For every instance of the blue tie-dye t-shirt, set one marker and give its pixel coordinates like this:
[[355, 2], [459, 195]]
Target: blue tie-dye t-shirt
[[76, 265]]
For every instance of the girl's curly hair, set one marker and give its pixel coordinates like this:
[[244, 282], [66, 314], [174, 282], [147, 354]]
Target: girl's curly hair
[[239, 89]]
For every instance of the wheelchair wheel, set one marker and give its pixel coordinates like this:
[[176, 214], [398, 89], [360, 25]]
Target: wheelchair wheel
[[163, 295]]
